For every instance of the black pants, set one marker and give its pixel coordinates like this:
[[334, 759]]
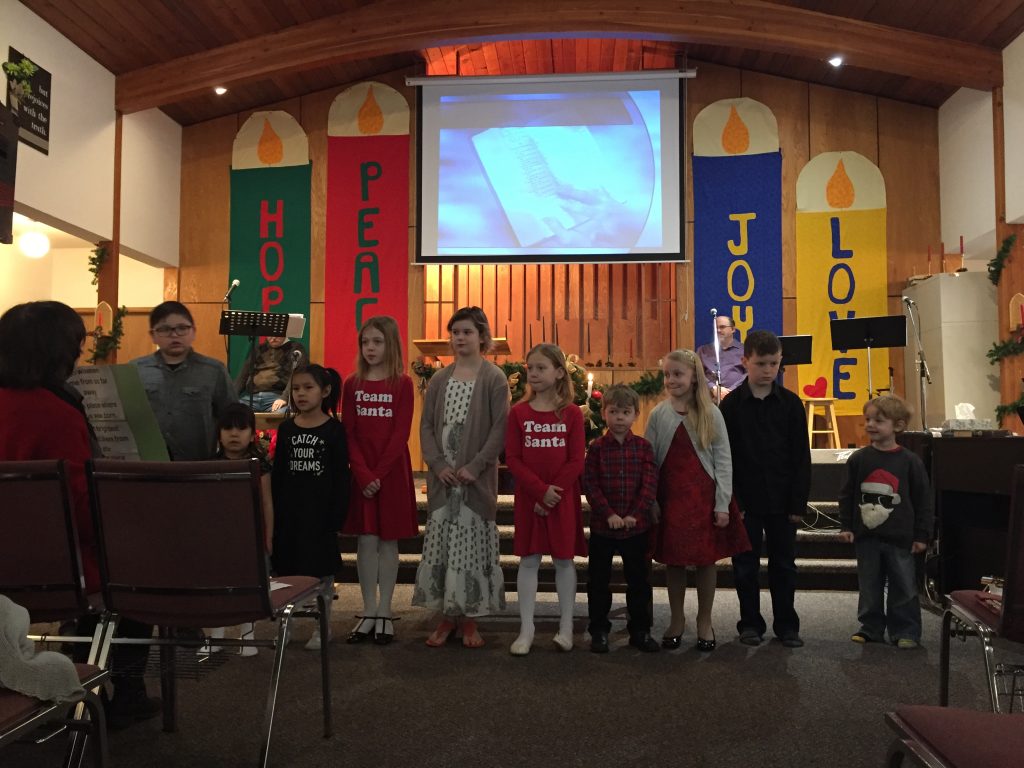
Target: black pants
[[635, 567], [779, 535], [127, 662]]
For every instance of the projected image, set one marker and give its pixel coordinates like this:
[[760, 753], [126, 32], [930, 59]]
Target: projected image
[[550, 173]]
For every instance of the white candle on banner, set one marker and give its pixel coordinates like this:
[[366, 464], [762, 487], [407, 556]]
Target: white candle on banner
[[590, 385]]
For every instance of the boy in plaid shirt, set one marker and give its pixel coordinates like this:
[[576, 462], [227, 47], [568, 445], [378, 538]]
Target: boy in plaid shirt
[[620, 479]]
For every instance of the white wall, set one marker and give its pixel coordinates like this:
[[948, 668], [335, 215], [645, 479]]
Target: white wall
[[967, 173], [151, 187], [72, 188]]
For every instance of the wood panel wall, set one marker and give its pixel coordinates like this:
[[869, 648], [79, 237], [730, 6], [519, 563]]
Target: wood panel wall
[[649, 305]]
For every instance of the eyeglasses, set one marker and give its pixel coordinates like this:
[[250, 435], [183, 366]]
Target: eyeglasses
[[172, 330]]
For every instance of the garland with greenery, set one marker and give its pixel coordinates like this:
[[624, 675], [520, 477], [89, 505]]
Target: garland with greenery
[[998, 262], [96, 262], [1010, 409], [105, 345], [1003, 349]]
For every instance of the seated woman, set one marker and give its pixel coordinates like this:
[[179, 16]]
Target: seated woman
[[266, 379], [44, 419]]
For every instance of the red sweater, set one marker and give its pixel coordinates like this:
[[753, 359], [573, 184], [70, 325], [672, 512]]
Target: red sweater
[[37, 424]]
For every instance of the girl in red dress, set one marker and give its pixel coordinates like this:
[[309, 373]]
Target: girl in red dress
[[377, 405], [700, 524], [545, 451]]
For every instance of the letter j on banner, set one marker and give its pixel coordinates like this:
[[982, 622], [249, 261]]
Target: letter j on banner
[[270, 177], [367, 264], [841, 272], [737, 208]]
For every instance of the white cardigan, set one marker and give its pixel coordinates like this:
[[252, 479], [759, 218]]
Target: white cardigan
[[716, 459]]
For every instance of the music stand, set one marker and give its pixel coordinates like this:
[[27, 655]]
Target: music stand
[[796, 350], [869, 333], [253, 325]]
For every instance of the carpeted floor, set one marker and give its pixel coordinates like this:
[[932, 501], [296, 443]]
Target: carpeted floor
[[410, 705]]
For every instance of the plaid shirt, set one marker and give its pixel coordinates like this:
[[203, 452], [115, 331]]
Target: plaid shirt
[[620, 479]]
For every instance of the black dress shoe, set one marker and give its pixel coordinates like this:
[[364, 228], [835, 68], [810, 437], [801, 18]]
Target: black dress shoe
[[671, 641], [355, 636], [599, 642], [644, 643], [384, 630], [706, 645]]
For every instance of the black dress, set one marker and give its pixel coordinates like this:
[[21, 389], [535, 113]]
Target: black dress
[[310, 482]]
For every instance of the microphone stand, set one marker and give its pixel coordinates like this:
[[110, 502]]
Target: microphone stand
[[718, 357], [923, 374]]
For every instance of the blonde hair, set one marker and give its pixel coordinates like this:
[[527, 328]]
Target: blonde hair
[[392, 347], [565, 392], [701, 410], [891, 407]]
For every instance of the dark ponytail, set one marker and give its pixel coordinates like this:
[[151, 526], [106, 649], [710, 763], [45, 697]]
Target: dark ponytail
[[324, 377]]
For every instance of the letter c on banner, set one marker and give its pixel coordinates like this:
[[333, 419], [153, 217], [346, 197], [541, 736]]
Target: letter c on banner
[[729, 277]]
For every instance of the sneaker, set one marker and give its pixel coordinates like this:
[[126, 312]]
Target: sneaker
[[313, 644], [860, 637], [751, 637], [906, 644], [792, 640]]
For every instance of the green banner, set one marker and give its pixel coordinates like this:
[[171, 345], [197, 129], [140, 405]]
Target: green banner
[[270, 243]]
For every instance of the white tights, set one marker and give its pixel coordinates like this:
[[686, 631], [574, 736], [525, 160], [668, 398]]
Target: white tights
[[526, 587], [377, 566]]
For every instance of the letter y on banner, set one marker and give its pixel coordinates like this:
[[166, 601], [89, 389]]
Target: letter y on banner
[[367, 260]]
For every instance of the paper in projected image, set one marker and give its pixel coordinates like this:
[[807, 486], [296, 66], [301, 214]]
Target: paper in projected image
[[546, 177]]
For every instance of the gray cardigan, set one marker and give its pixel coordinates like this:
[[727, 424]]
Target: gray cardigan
[[482, 439], [716, 459]]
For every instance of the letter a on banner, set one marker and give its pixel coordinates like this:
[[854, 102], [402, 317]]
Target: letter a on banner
[[367, 261], [737, 211], [841, 271], [270, 178]]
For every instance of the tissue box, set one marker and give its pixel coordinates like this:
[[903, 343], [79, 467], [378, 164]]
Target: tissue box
[[967, 424]]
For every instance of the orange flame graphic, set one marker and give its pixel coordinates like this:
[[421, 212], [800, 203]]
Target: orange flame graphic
[[371, 118], [735, 136], [839, 191], [270, 149]]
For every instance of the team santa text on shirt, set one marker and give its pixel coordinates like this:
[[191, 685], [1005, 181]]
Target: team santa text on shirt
[[373, 410], [307, 454], [530, 427]]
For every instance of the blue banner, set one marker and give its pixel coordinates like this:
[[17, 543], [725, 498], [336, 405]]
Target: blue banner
[[737, 241]]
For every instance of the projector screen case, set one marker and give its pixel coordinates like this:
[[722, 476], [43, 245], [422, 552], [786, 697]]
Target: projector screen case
[[550, 169]]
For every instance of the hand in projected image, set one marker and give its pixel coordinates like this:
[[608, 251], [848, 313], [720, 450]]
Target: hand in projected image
[[601, 221]]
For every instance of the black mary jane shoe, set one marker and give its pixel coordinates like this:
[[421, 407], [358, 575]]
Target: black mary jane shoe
[[706, 645], [671, 642], [355, 636], [384, 630]]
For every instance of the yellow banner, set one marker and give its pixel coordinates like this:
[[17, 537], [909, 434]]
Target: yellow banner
[[841, 262]]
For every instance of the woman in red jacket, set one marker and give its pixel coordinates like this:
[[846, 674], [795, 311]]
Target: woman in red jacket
[[43, 418]]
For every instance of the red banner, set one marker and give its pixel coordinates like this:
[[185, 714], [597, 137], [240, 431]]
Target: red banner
[[367, 258]]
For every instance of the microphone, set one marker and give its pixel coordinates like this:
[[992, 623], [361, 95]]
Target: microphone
[[909, 301], [714, 312], [231, 289]]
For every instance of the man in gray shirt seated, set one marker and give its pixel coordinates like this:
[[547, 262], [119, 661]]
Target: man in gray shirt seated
[[732, 371], [188, 391]]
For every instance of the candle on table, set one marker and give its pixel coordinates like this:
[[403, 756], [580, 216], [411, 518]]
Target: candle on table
[[590, 376]]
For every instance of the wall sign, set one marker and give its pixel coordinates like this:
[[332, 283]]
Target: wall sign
[[31, 109]]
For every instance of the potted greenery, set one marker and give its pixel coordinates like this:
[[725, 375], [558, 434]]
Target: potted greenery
[[19, 76]]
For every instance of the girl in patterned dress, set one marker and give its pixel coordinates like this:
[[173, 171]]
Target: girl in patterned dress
[[462, 432], [376, 406], [545, 448], [700, 524]]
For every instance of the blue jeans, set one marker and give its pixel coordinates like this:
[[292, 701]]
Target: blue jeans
[[879, 562], [262, 401]]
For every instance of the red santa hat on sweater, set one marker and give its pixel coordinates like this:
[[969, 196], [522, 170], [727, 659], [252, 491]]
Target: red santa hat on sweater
[[882, 483]]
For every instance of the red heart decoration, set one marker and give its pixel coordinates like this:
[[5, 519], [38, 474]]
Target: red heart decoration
[[817, 389]]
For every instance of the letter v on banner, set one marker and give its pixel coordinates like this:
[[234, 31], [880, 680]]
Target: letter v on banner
[[367, 260], [841, 270], [270, 232]]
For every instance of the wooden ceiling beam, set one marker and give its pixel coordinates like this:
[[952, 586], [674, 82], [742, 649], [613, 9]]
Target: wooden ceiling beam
[[393, 26]]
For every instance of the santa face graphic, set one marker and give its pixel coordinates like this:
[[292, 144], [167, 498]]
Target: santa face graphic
[[878, 497]]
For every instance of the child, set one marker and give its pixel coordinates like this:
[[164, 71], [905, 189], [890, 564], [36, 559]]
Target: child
[[461, 435], [376, 405], [885, 508], [698, 524], [620, 479], [236, 430], [772, 457], [310, 481], [544, 449]]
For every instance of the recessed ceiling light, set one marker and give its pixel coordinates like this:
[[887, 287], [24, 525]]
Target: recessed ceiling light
[[836, 61], [220, 90], [35, 245]]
